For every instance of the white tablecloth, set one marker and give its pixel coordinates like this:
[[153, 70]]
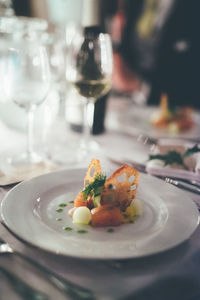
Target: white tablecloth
[[172, 275]]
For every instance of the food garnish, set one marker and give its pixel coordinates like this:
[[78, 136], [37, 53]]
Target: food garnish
[[68, 228], [191, 151], [172, 119], [107, 201], [62, 204], [95, 187], [175, 157], [82, 231], [59, 219], [110, 230]]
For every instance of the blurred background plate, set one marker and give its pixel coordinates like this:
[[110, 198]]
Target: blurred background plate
[[135, 119]]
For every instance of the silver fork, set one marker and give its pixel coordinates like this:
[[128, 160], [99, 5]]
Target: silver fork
[[22, 288], [73, 291]]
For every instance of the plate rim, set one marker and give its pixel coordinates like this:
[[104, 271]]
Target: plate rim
[[51, 251]]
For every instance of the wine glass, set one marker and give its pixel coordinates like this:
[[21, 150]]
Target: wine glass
[[56, 47], [89, 66], [26, 82]]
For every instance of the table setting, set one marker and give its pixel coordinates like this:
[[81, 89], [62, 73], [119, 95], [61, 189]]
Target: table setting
[[154, 270], [44, 253]]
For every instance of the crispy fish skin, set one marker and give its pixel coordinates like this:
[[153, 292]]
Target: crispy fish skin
[[93, 170], [121, 191]]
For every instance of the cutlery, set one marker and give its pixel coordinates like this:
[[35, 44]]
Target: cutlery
[[21, 288], [184, 185], [74, 291], [139, 166], [193, 182]]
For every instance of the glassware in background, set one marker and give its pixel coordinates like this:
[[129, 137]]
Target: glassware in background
[[26, 82], [63, 142], [6, 8], [56, 49], [89, 65], [12, 29]]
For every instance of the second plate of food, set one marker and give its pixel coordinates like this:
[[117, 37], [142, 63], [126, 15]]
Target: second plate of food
[[137, 120]]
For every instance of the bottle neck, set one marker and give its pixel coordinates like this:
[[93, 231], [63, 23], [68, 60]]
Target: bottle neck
[[94, 29], [92, 17]]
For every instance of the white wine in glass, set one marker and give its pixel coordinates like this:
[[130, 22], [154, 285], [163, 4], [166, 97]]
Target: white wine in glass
[[89, 69], [93, 89]]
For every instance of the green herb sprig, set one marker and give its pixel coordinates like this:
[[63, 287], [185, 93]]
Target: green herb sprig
[[94, 187], [174, 157], [191, 151]]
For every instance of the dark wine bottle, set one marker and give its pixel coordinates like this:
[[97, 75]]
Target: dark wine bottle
[[93, 24]]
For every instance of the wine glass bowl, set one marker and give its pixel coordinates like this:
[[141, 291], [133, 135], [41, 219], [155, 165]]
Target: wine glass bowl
[[26, 82], [89, 67], [26, 79], [56, 54], [56, 49]]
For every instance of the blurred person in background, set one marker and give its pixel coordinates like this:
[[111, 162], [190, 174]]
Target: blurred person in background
[[157, 44]]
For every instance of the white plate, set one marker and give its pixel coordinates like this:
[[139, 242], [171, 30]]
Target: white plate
[[29, 211], [136, 120]]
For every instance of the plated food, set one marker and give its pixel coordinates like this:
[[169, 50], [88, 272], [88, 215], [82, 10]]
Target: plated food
[[107, 201], [34, 218], [176, 120], [148, 121]]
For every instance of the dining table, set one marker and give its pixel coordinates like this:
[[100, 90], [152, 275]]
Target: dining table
[[172, 273]]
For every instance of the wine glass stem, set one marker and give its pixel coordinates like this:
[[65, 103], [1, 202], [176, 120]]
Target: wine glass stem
[[30, 133], [88, 119]]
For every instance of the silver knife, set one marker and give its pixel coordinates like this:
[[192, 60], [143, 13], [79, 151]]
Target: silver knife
[[184, 185]]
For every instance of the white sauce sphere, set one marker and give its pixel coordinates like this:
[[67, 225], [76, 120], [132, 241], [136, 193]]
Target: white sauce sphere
[[82, 215]]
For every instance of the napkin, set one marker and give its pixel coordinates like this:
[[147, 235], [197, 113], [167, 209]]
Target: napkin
[[157, 167], [12, 175]]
